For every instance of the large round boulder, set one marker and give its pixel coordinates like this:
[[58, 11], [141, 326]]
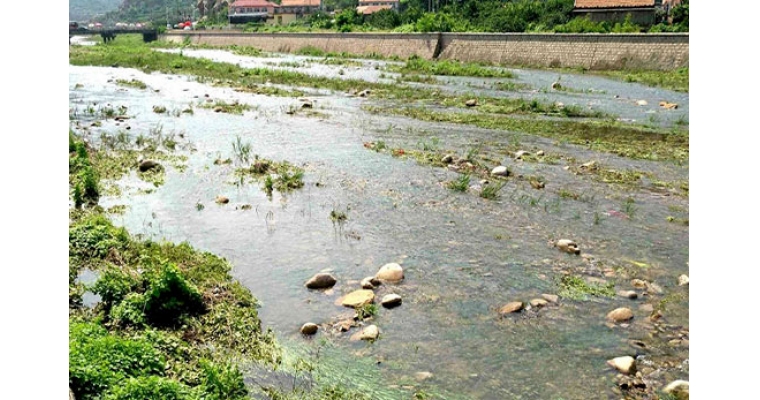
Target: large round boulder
[[621, 314], [390, 272], [309, 328], [513, 307]]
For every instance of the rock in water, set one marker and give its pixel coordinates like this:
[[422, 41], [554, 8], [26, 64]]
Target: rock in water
[[390, 272], [683, 280], [309, 328], [568, 246], [556, 86], [358, 298], [391, 300], [620, 315], [519, 155], [370, 333], [629, 294], [447, 159], [625, 364], [553, 298], [147, 165], [500, 171], [222, 200], [367, 283], [679, 389], [538, 303], [512, 307], [471, 103], [321, 281]]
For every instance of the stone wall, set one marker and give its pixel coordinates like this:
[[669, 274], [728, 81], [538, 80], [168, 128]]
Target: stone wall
[[592, 51], [387, 45]]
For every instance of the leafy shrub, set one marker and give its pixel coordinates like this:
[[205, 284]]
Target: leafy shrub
[[435, 22], [130, 310], [583, 25], [170, 296], [99, 360], [94, 236], [222, 381], [149, 387], [114, 284]]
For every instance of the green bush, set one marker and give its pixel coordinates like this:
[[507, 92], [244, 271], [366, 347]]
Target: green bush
[[150, 387], [170, 296], [114, 284], [129, 311], [435, 22], [99, 360], [222, 381], [583, 25], [94, 236]]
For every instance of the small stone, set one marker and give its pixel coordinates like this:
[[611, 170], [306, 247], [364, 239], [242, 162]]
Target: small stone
[[552, 298], [500, 171], [309, 328], [471, 103], [538, 303], [540, 153], [370, 333], [556, 86], [447, 159], [537, 184], [639, 284], [222, 200], [620, 315], [629, 294], [423, 375], [390, 272], [642, 102], [668, 106], [512, 307], [321, 281], [591, 165], [519, 155], [218, 109], [364, 93], [367, 283], [646, 308], [358, 298], [683, 280], [391, 300], [679, 389], [625, 364], [147, 165], [568, 246]]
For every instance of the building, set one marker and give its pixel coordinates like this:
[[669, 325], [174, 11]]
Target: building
[[642, 12], [292, 10], [367, 7], [244, 11]]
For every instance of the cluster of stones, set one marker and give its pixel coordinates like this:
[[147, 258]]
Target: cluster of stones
[[391, 273]]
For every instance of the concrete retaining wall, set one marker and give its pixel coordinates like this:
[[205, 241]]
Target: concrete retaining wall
[[591, 51], [387, 45]]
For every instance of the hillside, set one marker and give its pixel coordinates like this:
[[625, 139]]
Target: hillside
[[85, 10]]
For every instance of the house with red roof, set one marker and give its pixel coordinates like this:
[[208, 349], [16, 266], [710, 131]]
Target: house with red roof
[[293, 10], [367, 7], [244, 11], [642, 12]]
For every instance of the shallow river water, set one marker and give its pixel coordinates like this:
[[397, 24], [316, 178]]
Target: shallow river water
[[463, 256]]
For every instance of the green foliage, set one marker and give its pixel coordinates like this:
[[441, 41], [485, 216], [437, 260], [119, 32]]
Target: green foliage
[[460, 184], [366, 311], [222, 381], [418, 65], [491, 190], [83, 178], [99, 360], [575, 288], [130, 311], [170, 296], [94, 236], [435, 22], [114, 284], [149, 387]]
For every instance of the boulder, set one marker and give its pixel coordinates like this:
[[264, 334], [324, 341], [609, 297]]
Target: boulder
[[679, 389], [500, 171], [625, 364], [512, 307], [358, 298], [621, 314], [321, 281], [538, 303], [370, 333], [552, 298], [309, 328], [540, 153], [147, 165], [568, 246], [391, 300], [471, 103], [683, 280], [390, 272]]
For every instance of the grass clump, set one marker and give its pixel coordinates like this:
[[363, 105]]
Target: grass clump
[[575, 288], [418, 65], [229, 108], [460, 184], [83, 177], [491, 190], [132, 83], [677, 80]]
